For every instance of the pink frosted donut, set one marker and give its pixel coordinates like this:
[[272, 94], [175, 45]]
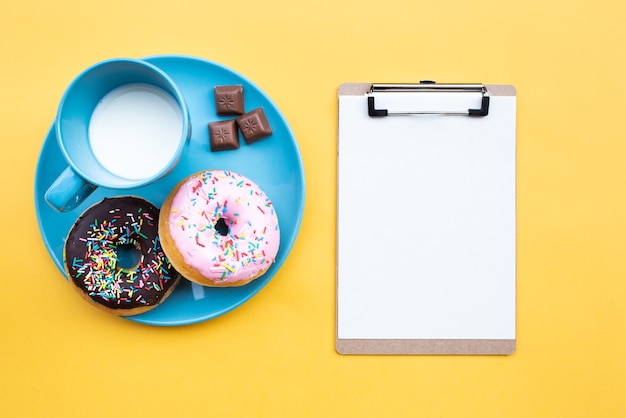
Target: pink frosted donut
[[218, 228]]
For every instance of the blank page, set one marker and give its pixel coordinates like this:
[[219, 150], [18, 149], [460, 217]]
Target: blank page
[[426, 219]]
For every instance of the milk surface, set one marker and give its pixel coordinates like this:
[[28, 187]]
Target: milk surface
[[135, 131]]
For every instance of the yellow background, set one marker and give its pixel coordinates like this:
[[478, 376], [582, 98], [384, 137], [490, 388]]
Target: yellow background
[[275, 355]]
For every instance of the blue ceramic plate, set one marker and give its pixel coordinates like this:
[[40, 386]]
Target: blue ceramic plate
[[274, 163]]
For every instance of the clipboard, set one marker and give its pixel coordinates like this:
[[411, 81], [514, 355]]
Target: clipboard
[[426, 219]]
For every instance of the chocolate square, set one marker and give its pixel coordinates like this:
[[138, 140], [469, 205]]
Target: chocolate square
[[229, 100], [223, 135], [254, 125]]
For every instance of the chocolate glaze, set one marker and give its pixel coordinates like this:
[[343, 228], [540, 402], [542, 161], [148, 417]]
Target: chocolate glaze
[[91, 257]]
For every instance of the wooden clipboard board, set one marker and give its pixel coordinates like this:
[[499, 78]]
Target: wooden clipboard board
[[426, 219]]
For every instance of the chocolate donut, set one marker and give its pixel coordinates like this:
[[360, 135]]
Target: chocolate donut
[[94, 256]]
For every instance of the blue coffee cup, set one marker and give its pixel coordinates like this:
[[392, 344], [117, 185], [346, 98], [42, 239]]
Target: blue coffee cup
[[121, 124]]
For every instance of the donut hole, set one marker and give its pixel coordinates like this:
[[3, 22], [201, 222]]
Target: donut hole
[[221, 227], [128, 256]]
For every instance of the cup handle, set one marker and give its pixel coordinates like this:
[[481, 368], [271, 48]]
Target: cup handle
[[68, 191]]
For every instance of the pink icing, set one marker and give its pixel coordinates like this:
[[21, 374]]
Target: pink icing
[[253, 236]]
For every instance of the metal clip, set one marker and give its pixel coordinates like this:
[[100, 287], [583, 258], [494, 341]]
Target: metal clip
[[427, 86]]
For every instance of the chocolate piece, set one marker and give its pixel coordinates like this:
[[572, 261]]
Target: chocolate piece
[[229, 100], [223, 135], [254, 125]]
